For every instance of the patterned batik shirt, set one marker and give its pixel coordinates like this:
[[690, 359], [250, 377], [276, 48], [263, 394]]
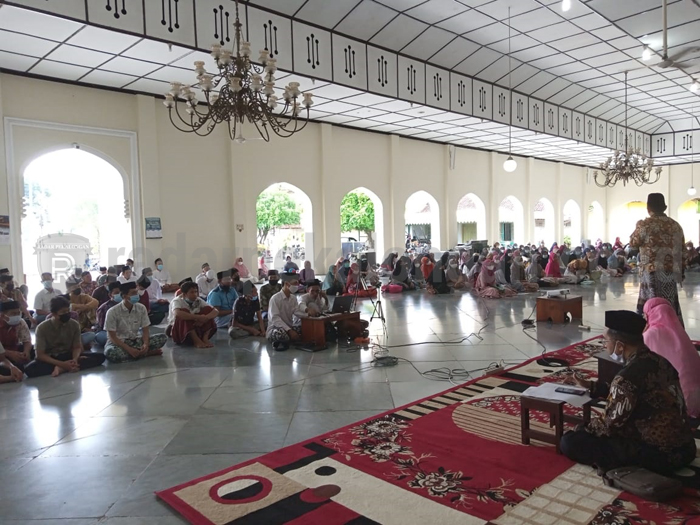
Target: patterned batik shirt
[[645, 404], [266, 293], [661, 245]]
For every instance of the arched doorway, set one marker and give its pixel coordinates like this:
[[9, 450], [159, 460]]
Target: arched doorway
[[284, 215], [74, 215], [510, 221], [634, 212], [361, 218], [422, 218], [596, 222], [572, 223], [471, 219], [544, 222], [689, 219]]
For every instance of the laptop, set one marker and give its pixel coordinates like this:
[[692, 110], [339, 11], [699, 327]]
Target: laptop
[[342, 304]]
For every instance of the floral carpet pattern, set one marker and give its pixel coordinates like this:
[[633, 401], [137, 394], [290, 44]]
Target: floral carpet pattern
[[454, 458]]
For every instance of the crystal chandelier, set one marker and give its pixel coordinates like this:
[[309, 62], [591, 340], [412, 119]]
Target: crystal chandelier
[[240, 92], [627, 165]]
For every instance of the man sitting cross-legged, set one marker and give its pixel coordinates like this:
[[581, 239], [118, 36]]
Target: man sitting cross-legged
[[123, 323], [9, 373], [14, 334], [223, 298], [115, 297], [191, 319], [283, 308], [58, 345], [245, 311]]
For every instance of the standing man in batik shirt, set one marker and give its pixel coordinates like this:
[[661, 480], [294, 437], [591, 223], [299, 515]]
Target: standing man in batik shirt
[[661, 255]]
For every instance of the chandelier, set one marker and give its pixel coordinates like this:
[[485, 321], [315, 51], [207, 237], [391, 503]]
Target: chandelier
[[240, 92], [627, 165]]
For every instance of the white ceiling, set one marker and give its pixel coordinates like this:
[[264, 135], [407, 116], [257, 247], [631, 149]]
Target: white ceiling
[[571, 59]]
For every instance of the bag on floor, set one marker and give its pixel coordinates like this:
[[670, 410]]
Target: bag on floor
[[392, 288], [643, 483]]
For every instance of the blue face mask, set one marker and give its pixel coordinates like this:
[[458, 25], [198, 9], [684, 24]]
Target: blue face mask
[[134, 299], [47, 284], [160, 267], [117, 298]]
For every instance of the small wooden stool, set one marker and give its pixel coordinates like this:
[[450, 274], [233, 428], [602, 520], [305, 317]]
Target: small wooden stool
[[557, 418], [556, 308]]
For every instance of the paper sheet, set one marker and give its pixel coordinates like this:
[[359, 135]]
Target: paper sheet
[[547, 391]]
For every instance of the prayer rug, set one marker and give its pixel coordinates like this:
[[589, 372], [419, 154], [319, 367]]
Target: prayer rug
[[452, 458]]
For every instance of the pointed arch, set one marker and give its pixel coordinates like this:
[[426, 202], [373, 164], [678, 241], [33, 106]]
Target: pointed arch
[[471, 219], [377, 235], [511, 220], [422, 217]]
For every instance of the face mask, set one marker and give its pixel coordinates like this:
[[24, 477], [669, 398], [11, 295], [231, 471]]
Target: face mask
[[293, 289], [134, 299], [273, 282], [160, 267], [117, 298], [210, 275], [254, 298], [150, 276], [189, 301], [76, 291], [64, 318], [47, 284], [417, 265], [453, 265], [141, 292], [14, 320]]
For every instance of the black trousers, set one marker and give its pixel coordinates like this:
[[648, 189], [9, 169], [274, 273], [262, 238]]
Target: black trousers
[[40, 368], [608, 453]]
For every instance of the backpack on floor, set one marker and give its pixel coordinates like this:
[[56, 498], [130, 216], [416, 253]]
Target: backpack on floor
[[644, 483]]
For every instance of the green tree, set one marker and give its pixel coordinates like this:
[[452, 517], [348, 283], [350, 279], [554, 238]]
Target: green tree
[[275, 209], [357, 214]]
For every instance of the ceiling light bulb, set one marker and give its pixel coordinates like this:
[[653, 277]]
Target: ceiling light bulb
[[646, 54], [692, 191], [510, 165], [695, 86], [565, 5]]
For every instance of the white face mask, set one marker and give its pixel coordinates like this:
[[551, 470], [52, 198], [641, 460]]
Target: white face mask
[[141, 292], [210, 274], [293, 288], [14, 320], [453, 265]]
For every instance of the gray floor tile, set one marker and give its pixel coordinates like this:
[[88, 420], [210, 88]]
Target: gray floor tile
[[345, 396], [230, 434], [409, 391], [29, 437], [162, 400], [282, 398]]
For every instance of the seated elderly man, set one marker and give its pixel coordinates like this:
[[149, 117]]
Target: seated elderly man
[[282, 316], [14, 335], [42, 301], [127, 325], [191, 319], [58, 345], [163, 277], [247, 317], [206, 281], [645, 422]]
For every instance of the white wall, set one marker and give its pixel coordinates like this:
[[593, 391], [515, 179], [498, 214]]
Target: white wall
[[203, 187]]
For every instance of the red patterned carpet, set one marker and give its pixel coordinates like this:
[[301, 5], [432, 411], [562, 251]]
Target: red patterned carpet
[[454, 458]]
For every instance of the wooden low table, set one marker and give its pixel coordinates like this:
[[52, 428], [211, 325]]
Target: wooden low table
[[313, 329], [556, 308], [557, 418]]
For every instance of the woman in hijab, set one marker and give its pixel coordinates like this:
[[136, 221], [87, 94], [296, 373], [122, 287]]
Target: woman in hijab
[[455, 278], [401, 274], [486, 283], [518, 279], [553, 268], [353, 279], [437, 280], [463, 261], [426, 267], [618, 244], [243, 271], [334, 282], [665, 336], [534, 270], [390, 262], [262, 268], [473, 274], [307, 274]]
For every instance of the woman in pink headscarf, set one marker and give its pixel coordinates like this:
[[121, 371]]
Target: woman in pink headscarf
[[553, 265], [665, 336], [353, 278], [262, 268], [242, 269], [486, 282]]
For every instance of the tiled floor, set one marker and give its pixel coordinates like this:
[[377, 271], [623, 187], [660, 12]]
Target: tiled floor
[[91, 448]]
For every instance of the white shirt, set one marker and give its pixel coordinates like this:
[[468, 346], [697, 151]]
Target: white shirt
[[281, 311], [308, 302], [123, 280], [154, 291], [179, 303], [205, 286], [126, 323], [162, 276], [42, 301]]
